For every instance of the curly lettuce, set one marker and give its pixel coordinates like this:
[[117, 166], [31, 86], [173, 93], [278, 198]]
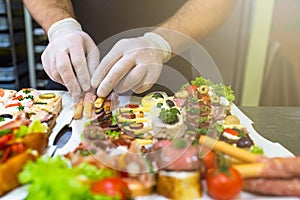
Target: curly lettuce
[[220, 89], [53, 178]]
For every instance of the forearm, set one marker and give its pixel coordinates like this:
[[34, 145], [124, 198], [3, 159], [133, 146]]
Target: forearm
[[47, 12], [195, 19]]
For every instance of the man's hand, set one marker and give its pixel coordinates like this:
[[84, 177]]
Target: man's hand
[[71, 56], [134, 63]]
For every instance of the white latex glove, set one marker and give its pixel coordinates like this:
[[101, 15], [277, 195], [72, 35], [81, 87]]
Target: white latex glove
[[71, 56], [134, 63]]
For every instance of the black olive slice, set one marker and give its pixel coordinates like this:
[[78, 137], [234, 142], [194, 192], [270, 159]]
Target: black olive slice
[[157, 95], [6, 116], [170, 103]]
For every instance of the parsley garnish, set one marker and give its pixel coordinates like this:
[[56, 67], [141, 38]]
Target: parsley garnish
[[29, 97], [26, 91], [159, 105], [20, 108], [169, 116]]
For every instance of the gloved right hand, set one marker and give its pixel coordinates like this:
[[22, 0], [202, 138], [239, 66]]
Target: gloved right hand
[[71, 56]]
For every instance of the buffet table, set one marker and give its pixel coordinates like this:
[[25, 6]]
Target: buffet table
[[277, 124]]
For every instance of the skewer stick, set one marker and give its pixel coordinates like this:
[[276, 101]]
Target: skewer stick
[[228, 149], [249, 170]]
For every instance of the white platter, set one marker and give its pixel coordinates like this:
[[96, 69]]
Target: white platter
[[271, 149]]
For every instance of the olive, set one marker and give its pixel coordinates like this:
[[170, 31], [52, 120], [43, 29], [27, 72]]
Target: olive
[[231, 120], [215, 99], [244, 142], [157, 95], [203, 89], [6, 116], [170, 103]]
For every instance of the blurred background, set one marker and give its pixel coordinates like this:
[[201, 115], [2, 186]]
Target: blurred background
[[256, 50]]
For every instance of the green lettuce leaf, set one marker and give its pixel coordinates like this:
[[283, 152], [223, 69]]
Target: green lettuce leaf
[[53, 178]]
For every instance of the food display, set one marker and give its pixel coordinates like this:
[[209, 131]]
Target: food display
[[31, 104], [190, 145], [26, 120]]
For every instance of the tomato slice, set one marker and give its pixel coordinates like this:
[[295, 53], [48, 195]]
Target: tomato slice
[[13, 105], [231, 131], [112, 186]]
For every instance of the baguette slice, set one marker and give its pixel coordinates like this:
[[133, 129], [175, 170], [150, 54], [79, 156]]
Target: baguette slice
[[51, 105], [182, 185]]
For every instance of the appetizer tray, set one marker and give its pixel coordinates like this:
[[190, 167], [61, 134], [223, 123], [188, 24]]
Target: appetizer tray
[[65, 118]]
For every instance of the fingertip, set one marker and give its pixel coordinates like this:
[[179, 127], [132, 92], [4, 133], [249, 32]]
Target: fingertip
[[76, 94], [102, 92], [143, 88]]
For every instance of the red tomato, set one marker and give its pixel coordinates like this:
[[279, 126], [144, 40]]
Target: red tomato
[[113, 187], [231, 131], [208, 158], [5, 139], [191, 89], [224, 186]]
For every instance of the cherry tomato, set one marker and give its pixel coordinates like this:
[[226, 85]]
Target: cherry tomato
[[224, 185], [231, 131], [113, 187], [191, 89], [208, 157]]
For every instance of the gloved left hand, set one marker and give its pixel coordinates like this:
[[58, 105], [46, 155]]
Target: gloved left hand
[[134, 63]]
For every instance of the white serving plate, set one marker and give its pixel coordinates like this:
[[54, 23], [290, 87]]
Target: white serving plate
[[271, 149]]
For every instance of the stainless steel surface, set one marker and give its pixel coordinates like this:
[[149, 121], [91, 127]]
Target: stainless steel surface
[[277, 124]]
